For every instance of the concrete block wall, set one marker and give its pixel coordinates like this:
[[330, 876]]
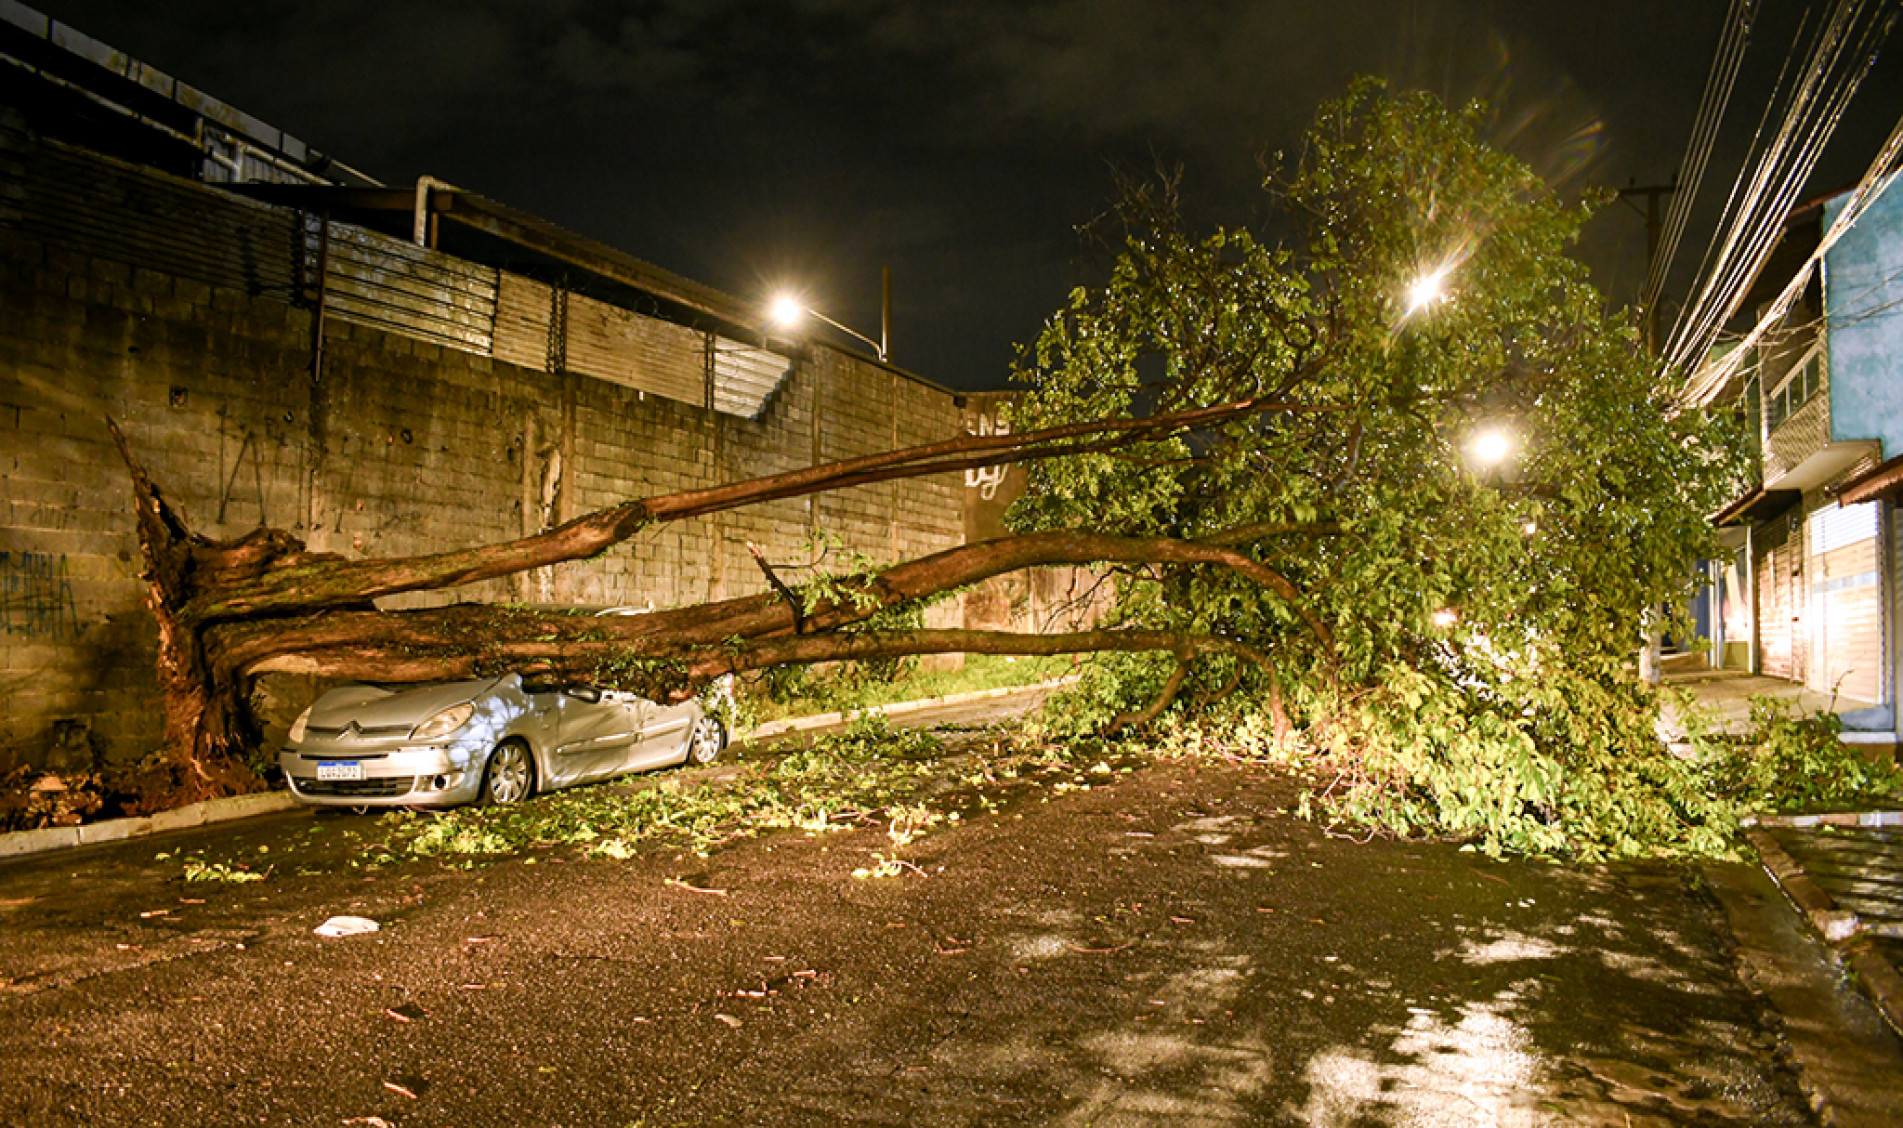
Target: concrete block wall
[[398, 447]]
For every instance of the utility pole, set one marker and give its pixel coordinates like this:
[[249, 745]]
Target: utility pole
[[1654, 226], [1651, 654]]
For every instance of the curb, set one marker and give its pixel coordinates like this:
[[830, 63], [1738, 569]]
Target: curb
[[21, 842], [897, 708], [1841, 928], [1880, 981]]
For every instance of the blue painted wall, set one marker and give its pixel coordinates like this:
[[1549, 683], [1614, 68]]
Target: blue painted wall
[[1863, 301]]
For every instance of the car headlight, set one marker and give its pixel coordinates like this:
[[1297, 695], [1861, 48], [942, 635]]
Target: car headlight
[[297, 726], [444, 723]]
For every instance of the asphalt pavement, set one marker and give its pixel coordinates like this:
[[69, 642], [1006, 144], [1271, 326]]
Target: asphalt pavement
[[1165, 947]]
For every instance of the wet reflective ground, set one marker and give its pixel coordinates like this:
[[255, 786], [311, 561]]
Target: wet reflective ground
[[1170, 949]]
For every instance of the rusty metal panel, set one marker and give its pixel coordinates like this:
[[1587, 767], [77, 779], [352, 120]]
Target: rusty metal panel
[[613, 344], [96, 205], [523, 308], [403, 288], [746, 376]]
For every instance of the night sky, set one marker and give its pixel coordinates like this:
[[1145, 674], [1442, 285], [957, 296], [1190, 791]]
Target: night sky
[[755, 145]]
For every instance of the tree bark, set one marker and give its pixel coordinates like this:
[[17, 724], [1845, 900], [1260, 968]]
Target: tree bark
[[1154, 709]]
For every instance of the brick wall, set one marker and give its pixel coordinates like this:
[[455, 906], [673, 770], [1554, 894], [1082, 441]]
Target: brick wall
[[402, 446]]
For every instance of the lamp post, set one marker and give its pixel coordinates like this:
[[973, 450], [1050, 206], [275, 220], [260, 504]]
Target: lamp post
[[788, 311]]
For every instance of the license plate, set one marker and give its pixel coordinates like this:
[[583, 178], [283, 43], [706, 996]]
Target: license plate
[[340, 769]]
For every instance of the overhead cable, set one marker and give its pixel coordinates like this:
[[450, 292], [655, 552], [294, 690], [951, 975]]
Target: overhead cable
[[1725, 65], [1768, 188], [1706, 384], [1733, 218]]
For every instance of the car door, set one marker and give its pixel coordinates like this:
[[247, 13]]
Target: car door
[[597, 731], [664, 733]]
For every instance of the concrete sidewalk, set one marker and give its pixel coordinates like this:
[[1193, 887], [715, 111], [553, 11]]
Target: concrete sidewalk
[[1848, 883], [1728, 694], [1842, 870]]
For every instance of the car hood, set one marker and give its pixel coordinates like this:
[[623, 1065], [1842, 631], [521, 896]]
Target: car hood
[[374, 706]]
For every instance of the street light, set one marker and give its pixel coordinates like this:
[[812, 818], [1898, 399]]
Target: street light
[[788, 311], [1426, 290], [1491, 447]]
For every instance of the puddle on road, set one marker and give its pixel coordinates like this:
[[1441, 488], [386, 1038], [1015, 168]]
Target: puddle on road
[[1614, 1019]]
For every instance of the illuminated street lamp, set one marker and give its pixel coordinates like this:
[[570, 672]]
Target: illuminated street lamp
[[1491, 447], [788, 311], [1426, 290]]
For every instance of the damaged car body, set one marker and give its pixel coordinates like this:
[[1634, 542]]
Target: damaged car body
[[490, 740]]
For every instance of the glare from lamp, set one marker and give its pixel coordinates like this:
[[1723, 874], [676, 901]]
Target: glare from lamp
[[1492, 447], [1426, 290], [787, 311]]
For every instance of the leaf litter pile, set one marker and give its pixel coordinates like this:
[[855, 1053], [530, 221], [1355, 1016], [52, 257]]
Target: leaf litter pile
[[907, 781]]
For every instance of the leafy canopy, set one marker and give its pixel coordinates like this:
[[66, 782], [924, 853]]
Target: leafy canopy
[[1477, 619]]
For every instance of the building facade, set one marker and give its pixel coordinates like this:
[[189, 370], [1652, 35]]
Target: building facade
[[1809, 592]]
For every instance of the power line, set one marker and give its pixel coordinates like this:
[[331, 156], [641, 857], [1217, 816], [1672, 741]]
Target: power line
[[1705, 385], [1723, 233], [1841, 54], [1725, 65]]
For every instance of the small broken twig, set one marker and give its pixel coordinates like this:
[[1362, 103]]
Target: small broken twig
[[694, 888], [1100, 951], [792, 598]]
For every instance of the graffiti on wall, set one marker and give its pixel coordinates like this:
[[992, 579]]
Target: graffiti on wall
[[36, 597], [987, 479]]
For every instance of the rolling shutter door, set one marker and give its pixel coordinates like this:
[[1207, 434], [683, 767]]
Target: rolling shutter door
[[1773, 567], [1846, 606]]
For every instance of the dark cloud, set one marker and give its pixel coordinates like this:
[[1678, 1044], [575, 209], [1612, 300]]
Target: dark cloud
[[751, 143]]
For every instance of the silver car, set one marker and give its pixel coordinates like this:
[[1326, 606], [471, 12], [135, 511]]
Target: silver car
[[489, 739]]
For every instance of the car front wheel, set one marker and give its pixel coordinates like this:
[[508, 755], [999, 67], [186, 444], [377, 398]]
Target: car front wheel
[[709, 737], [510, 777]]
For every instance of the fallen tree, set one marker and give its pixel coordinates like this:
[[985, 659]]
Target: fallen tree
[[231, 611], [1516, 491], [1397, 492]]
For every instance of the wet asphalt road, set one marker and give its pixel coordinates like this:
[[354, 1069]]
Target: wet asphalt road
[[1168, 949]]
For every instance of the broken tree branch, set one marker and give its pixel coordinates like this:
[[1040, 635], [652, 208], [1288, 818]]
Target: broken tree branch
[[299, 582], [1154, 709]]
